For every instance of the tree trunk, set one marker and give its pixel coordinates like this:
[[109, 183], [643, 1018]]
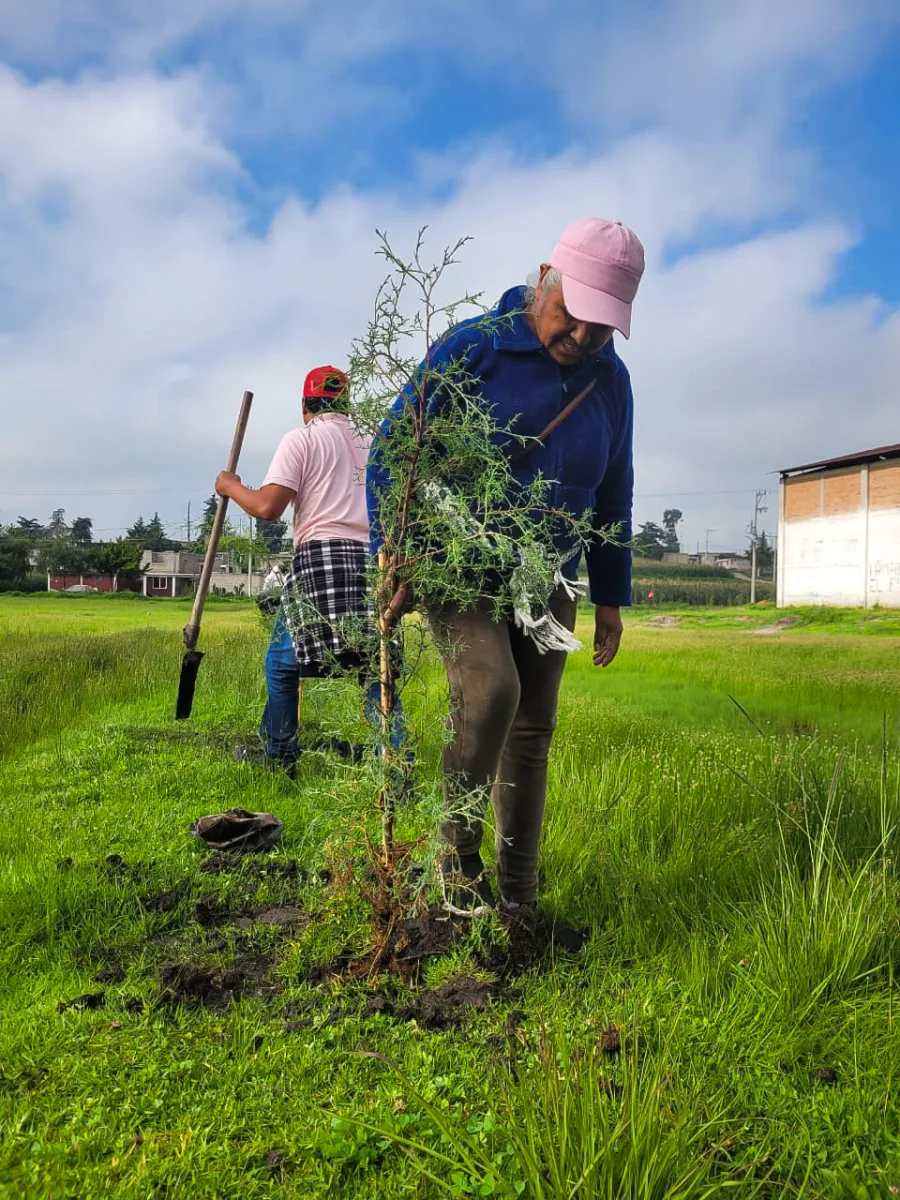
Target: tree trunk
[[387, 800]]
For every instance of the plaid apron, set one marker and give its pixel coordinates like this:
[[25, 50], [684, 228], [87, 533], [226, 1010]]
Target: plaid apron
[[326, 605]]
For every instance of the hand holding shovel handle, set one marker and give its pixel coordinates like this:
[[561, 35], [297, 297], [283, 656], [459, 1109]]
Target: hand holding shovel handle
[[190, 663]]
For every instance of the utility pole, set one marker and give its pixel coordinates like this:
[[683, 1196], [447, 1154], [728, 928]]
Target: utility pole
[[708, 532], [753, 531], [189, 522]]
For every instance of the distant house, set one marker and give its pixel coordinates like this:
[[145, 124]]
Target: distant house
[[839, 531], [57, 581], [705, 558], [174, 572], [170, 573]]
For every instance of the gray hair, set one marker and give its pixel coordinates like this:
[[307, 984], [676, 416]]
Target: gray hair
[[552, 279]]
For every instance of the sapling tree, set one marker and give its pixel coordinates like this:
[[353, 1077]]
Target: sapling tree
[[452, 524]]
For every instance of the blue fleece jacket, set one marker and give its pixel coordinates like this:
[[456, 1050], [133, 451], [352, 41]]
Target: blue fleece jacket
[[589, 455]]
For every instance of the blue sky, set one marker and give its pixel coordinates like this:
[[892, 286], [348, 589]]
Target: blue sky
[[189, 192]]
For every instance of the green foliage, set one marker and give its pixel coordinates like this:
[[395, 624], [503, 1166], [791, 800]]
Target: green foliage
[[650, 541], [649, 569], [206, 523], [57, 527], [82, 531], [121, 557], [765, 556], [59, 553], [670, 589], [30, 528], [150, 535], [272, 533], [14, 551], [671, 520]]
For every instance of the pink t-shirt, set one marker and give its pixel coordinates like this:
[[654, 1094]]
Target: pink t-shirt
[[324, 462]]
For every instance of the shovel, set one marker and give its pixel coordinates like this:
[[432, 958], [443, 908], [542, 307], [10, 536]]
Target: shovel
[[190, 663]]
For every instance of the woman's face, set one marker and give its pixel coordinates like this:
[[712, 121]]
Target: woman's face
[[565, 339]]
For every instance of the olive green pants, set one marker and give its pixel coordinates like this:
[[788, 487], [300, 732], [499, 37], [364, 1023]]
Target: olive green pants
[[503, 702]]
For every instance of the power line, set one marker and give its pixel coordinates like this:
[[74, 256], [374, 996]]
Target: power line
[[106, 492], [197, 492], [667, 495]]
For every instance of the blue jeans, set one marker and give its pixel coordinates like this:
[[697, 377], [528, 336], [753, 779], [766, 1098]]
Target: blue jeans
[[278, 728]]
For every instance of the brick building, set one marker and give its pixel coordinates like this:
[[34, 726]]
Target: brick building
[[839, 531]]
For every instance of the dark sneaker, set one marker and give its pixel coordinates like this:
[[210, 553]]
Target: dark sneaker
[[465, 889], [255, 756], [351, 751], [531, 922]]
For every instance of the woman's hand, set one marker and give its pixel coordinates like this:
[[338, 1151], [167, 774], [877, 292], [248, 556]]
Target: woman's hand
[[607, 634]]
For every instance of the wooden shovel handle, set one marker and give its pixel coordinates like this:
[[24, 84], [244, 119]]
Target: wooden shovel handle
[[192, 630]]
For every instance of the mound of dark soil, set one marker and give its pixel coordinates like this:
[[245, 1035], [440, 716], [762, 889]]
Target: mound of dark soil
[[90, 1000], [445, 1007], [112, 974], [196, 986]]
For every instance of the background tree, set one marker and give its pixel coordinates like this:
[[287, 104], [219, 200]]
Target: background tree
[[650, 541], [120, 557], [56, 526], [765, 556], [138, 532], [82, 528], [155, 535], [671, 519], [15, 548], [244, 549], [60, 553], [31, 528], [272, 533], [209, 512]]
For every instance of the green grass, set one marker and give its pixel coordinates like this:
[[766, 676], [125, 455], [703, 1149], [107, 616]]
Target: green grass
[[738, 869]]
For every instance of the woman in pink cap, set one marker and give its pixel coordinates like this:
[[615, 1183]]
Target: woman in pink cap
[[544, 358]]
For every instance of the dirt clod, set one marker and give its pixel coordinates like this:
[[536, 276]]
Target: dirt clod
[[210, 913], [378, 1004], [610, 1040], [276, 914], [275, 1161], [90, 1000], [193, 986], [298, 1026], [826, 1075], [447, 1006], [431, 934], [133, 1005], [113, 974], [197, 986]]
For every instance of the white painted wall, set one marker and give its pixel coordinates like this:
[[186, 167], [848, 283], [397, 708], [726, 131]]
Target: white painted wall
[[884, 557], [851, 560]]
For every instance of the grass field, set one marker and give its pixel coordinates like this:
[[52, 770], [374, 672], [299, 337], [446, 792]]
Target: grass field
[[723, 814]]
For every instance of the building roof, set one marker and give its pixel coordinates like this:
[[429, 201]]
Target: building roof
[[847, 460]]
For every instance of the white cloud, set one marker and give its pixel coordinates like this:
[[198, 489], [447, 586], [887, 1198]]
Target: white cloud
[[139, 300]]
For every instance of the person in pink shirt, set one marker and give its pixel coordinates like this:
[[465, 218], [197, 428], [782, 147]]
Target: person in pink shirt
[[318, 468]]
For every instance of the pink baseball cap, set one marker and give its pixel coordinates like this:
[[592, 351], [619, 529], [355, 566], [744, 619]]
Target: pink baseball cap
[[601, 263]]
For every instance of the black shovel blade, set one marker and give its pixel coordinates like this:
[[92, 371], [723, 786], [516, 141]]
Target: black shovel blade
[[190, 665]]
